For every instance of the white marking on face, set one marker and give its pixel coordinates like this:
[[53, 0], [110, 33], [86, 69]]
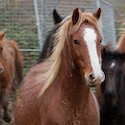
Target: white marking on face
[[112, 65], [90, 38]]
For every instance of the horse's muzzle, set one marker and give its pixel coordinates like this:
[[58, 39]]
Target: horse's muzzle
[[93, 80]]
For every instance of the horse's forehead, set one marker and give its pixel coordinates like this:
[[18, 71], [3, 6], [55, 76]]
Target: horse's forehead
[[88, 28], [89, 34]]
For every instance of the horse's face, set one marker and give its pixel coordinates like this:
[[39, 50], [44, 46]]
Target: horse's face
[[1, 49], [86, 49], [112, 65]]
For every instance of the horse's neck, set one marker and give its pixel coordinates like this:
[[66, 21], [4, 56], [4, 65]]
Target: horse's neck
[[73, 87]]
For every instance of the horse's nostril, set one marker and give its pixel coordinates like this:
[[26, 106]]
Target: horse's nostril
[[91, 77]]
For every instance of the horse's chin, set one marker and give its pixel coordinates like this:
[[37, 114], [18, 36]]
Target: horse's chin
[[92, 85], [89, 84]]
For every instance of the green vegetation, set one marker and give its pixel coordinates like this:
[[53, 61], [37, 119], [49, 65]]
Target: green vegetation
[[20, 25]]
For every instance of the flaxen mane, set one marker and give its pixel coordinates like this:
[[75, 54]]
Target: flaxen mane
[[60, 37]]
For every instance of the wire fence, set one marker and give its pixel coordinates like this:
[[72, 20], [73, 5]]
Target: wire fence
[[108, 23], [18, 19]]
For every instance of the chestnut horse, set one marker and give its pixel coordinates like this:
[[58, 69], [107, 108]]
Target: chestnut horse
[[111, 93], [57, 91], [10, 67]]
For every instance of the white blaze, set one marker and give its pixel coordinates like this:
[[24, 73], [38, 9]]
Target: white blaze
[[90, 38], [112, 65]]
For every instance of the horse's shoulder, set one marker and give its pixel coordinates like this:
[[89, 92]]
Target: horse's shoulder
[[38, 69], [34, 78]]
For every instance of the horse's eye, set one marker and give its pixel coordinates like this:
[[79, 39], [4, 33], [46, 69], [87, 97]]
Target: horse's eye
[[100, 41], [76, 42]]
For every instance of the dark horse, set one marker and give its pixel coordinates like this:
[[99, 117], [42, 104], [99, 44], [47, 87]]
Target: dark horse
[[11, 65], [111, 95], [57, 91], [49, 42]]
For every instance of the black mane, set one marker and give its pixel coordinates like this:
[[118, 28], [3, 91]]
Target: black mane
[[49, 42], [48, 45], [108, 54]]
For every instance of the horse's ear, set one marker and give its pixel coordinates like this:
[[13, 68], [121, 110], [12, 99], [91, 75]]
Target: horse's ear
[[75, 16], [97, 14], [104, 51], [2, 35], [56, 17]]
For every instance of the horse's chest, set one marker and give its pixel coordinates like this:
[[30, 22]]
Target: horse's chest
[[60, 111], [69, 116]]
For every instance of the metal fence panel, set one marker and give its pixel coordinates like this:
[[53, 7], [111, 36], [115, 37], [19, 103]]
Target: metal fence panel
[[108, 23]]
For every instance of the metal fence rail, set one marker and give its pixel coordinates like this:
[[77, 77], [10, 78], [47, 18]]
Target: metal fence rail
[[29, 21]]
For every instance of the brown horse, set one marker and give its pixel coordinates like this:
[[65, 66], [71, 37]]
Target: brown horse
[[10, 67], [57, 91], [121, 44]]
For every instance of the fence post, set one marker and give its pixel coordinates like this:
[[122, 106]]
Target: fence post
[[43, 21], [38, 24], [114, 32]]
